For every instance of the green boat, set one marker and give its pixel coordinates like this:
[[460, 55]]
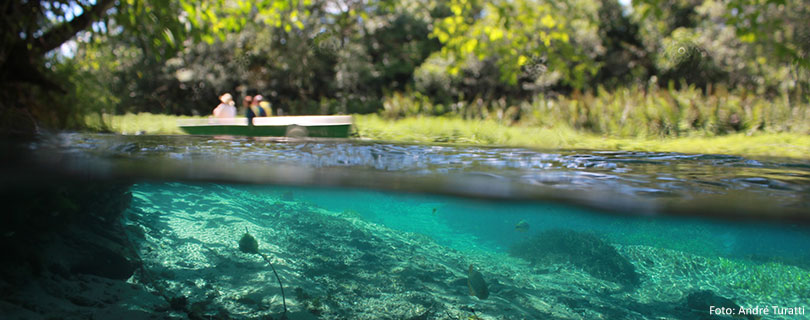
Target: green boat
[[281, 126]]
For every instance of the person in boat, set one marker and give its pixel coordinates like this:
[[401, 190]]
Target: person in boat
[[246, 103], [226, 108], [258, 108]]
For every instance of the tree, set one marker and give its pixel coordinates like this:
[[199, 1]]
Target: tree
[[338, 57], [529, 44], [32, 29], [758, 44]]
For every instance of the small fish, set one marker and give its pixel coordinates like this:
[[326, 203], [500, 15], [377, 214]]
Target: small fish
[[522, 226], [477, 285], [434, 211]]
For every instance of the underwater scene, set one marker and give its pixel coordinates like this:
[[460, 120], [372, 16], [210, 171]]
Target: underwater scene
[[117, 227]]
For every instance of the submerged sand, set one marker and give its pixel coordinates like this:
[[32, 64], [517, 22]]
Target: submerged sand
[[336, 265]]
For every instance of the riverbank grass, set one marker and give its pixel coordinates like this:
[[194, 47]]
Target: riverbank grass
[[456, 130], [141, 123], [427, 129]]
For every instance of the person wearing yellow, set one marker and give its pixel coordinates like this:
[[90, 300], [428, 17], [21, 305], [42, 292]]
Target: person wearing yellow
[[258, 108]]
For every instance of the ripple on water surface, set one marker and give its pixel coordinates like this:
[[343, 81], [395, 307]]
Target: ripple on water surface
[[646, 182]]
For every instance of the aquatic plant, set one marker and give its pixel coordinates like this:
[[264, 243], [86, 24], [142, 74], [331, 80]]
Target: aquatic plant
[[583, 250], [248, 244], [766, 279]]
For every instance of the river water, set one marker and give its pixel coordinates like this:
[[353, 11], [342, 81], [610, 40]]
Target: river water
[[373, 230]]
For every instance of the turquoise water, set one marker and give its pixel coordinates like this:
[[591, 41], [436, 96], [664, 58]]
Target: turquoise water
[[362, 230], [371, 255]]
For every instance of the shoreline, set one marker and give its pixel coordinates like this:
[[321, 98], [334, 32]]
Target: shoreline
[[453, 130], [450, 130]]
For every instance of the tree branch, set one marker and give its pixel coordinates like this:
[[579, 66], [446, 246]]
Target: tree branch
[[65, 31]]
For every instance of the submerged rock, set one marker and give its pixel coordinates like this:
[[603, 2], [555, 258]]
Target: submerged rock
[[586, 251], [65, 247], [105, 260], [70, 228]]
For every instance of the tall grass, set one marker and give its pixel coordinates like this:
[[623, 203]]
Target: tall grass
[[455, 129], [684, 120], [631, 112]]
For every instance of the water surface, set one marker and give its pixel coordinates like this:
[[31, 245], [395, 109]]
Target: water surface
[[625, 182], [370, 230]]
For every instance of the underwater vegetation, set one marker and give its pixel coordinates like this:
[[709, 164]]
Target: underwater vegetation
[[195, 260], [583, 250], [767, 279], [248, 244]]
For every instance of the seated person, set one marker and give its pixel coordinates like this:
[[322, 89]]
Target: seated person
[[226, 109], [258, 108], [246, 103]]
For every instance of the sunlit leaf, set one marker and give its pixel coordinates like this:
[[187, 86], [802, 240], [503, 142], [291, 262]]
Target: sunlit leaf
[[749, 37], [548, 21]]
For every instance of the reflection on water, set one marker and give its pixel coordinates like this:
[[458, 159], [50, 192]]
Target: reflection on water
[[149, 227]]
